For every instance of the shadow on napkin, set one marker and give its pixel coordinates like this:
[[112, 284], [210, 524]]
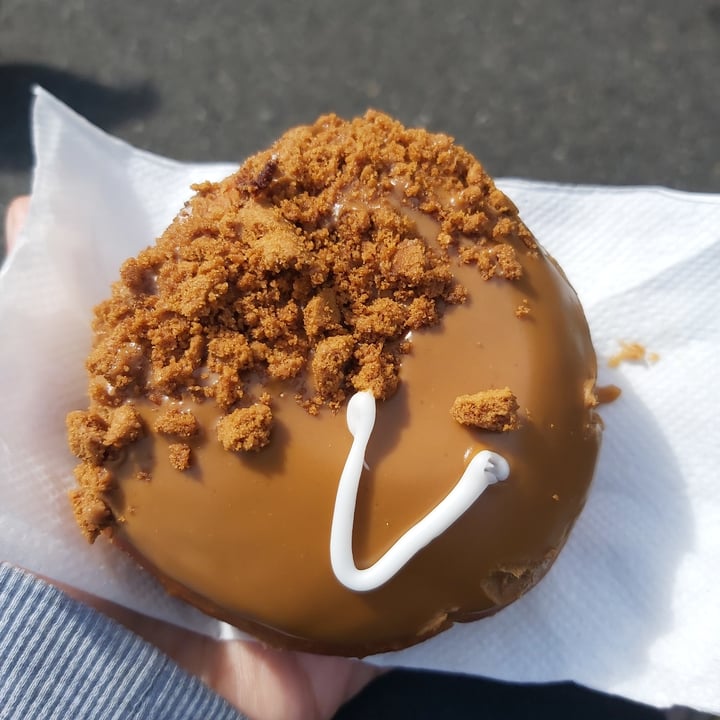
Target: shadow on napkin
[[640, 502]]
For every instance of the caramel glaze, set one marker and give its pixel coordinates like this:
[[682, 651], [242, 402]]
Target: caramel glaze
[[607, 394], [246, 536]]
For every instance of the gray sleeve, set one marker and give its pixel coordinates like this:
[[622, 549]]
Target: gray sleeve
[[60, 659]]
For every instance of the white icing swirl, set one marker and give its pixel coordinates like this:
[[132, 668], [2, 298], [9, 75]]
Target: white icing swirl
[[484, 469]]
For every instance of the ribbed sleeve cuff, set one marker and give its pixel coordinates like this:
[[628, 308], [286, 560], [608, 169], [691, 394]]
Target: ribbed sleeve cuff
[[61, 659]]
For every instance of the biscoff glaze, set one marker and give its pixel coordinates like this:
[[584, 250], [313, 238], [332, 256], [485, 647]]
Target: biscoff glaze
[[217, 434]]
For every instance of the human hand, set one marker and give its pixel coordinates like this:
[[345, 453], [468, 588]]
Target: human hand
[[14, 220], [261, 682]]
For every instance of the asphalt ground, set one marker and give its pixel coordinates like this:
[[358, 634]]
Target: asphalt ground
[[606, 92]]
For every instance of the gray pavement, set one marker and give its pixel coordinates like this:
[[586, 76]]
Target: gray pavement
[[606, 92], [611, 92]]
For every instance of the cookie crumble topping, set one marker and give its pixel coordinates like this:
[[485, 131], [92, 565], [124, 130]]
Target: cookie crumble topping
[[308, 267]]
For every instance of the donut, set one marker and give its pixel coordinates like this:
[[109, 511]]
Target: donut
[[346, 400]]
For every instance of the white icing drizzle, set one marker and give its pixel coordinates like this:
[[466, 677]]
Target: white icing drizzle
[[484, 469]]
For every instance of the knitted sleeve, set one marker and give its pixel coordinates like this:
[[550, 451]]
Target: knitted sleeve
[[61, 659]]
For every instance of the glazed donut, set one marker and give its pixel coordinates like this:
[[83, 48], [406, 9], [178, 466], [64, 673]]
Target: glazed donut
[[346, 400]]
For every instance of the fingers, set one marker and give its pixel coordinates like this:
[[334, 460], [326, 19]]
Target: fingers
[[15, 219], [283, 685]]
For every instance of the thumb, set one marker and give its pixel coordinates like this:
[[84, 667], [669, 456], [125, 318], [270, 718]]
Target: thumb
[[15, 219]]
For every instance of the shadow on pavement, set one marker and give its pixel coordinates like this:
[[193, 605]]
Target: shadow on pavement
[[102, 105]]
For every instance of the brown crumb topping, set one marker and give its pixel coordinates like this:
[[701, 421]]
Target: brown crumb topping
[[179, 456], [91, 513], [329, 364], [523, 309], [319, 237], [92, 435], [246, 428], [175, 421], [307, 268], [632, 352], [607, 393], [590, 396], [494, 410]]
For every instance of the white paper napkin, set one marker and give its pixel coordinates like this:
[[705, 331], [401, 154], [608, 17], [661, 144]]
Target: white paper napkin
[[631, 607]]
